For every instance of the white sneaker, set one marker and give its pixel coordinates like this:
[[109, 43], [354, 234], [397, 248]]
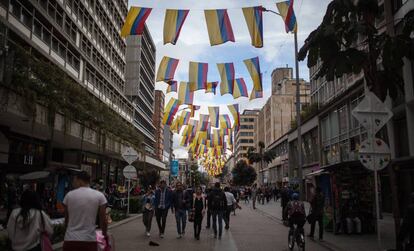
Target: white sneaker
[[148, 234], [161, 236], [179, 236]]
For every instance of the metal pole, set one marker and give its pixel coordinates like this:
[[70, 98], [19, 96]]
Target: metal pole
[[298, 119], [377, 209], [129, 183]]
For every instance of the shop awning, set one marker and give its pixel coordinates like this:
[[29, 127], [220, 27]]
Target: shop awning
[[316, 173]]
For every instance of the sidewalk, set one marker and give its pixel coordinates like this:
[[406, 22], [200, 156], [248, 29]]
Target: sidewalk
[[340, 242]]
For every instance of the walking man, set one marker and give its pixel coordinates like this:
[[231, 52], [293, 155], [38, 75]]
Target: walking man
[[163, 199], [254, 194], [284, 201], [231, 203], [209, 216], [81, 208], [317, 206], [179, 203], [217, 203]]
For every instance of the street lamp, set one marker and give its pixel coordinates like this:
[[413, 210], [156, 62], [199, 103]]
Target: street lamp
[[298, 118]]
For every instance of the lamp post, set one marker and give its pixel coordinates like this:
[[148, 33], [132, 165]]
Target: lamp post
[[298, 118]]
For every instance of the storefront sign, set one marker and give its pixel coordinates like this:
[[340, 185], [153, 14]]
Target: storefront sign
[[174, 168]]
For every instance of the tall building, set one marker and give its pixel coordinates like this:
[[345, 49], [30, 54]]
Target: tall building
[[244, 137], [159, 126], [82, 40], [278, 75], [168, 154]]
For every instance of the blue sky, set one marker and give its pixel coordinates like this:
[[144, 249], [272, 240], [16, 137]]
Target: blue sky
[[193, 45]]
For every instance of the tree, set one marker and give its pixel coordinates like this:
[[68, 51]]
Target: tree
[[261, 156], [149, 178], [347, 41], [243, 174]]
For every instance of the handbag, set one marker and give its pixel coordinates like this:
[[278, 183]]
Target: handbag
[[45, 242], [105, 244], [191, 214]]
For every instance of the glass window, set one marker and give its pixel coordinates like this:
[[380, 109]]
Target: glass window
[[334, 124]]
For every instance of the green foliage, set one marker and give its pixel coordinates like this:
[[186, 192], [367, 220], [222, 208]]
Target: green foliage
[[149, 178], [347, 41], [256, 157], [243, 174], [40, 81], [307, 112], [135, 206], [118, 215]]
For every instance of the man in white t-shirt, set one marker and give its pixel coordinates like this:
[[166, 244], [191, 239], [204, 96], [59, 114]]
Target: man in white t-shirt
[[231, 204], [81, 208]]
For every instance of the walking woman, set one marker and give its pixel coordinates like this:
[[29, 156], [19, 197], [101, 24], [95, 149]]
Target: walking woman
[[148, 212], [27, 223], [199, 210]]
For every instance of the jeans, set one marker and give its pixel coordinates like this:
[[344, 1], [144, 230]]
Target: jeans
[[181, 218], [147, 219], [227, 215], [161, 217], [217, 216], [319, 219], [197, 225], [208, 217]]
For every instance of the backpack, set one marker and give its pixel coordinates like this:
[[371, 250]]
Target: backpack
[[296, 208], [216, 200]]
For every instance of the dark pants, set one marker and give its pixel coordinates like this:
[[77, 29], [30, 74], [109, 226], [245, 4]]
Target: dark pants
[[208, 217], [217, 216], [198, 219], [161, 217], [284, 213], [227, 216], [319, 219], [80, 245], [147, 219], [181, 219], [254, 202], [37, 248], [299, 221]]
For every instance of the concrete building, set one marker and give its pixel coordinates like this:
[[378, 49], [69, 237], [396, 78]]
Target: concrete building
[[82, 40], [244, 137], [168, 154], [159, 126]]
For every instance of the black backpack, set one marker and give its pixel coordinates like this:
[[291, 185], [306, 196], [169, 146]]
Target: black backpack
[[216, 200]]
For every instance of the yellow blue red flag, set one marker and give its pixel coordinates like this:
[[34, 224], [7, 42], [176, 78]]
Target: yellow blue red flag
[[286, 11], [234, 110], [173, 22], [256, 94], [185, 95], [198, 75], [166, 69], [203, 124], [170, 111], [219, 26], [172, 86], [211, 87], [214, 112], [239, 88], [135, 21], [225, 121], [254, 20], [227, 75], [253, 66]]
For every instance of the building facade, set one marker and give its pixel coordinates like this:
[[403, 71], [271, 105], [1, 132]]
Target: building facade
[[159, 126], [245, 135]]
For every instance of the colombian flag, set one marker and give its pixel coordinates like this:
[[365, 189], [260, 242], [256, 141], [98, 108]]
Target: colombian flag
[[193, 109], [254, 20], [185, 95], [203, 124], [234, 110], [225, 121], [227, 75], [256, 94], [172, 86], [288, 15], [173, 22], [214, 112], [167, 68], [185, 117], [211, 87], [239, 88], [135, 21], [170, 111], [253, 66], [218, 26], [198, 75]]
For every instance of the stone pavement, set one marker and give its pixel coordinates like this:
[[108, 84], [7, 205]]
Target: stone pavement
[[249, 230], [340, 242]]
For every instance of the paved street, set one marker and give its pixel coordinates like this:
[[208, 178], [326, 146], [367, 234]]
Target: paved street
[[249, 230]]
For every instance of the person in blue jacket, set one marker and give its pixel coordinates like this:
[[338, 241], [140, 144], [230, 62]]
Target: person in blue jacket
[[163, 200]]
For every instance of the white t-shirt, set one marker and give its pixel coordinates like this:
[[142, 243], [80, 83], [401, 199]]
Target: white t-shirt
[[82, 205], [230, 198]]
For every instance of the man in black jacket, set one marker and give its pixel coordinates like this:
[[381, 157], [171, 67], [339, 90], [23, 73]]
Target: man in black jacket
[[317, 204], [179, 203], [217, 203], [407, 227]]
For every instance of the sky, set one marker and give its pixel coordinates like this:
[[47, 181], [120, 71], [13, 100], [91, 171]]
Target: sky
[[193, 45]]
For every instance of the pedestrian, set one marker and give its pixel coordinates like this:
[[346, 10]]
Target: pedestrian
[[254, 194], [217, 203], [199, 206], [407, 227], [231, 203], [317, 208], [209, 216], [27, 222], [82, 206], [236, 193], [179, 206], [284, 201], [163, 200], [148, 211], [11, 198]]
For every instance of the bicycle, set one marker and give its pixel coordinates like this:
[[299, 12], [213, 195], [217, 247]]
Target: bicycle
[[297, 236]]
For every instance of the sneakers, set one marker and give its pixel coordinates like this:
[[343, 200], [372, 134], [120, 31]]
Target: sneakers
[[161, 236], [179, 236], [183, 233], [148, 234]]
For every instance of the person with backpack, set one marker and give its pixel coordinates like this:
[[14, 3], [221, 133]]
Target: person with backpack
[[217, 203], [317, 207], [295, 211], [27, 223]]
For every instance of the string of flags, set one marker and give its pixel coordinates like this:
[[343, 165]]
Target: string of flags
[[219, 26]]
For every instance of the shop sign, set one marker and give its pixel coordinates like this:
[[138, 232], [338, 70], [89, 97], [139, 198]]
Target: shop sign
[[174, 168]]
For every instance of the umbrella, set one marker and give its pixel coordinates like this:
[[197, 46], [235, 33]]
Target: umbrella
[[35, 175]]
